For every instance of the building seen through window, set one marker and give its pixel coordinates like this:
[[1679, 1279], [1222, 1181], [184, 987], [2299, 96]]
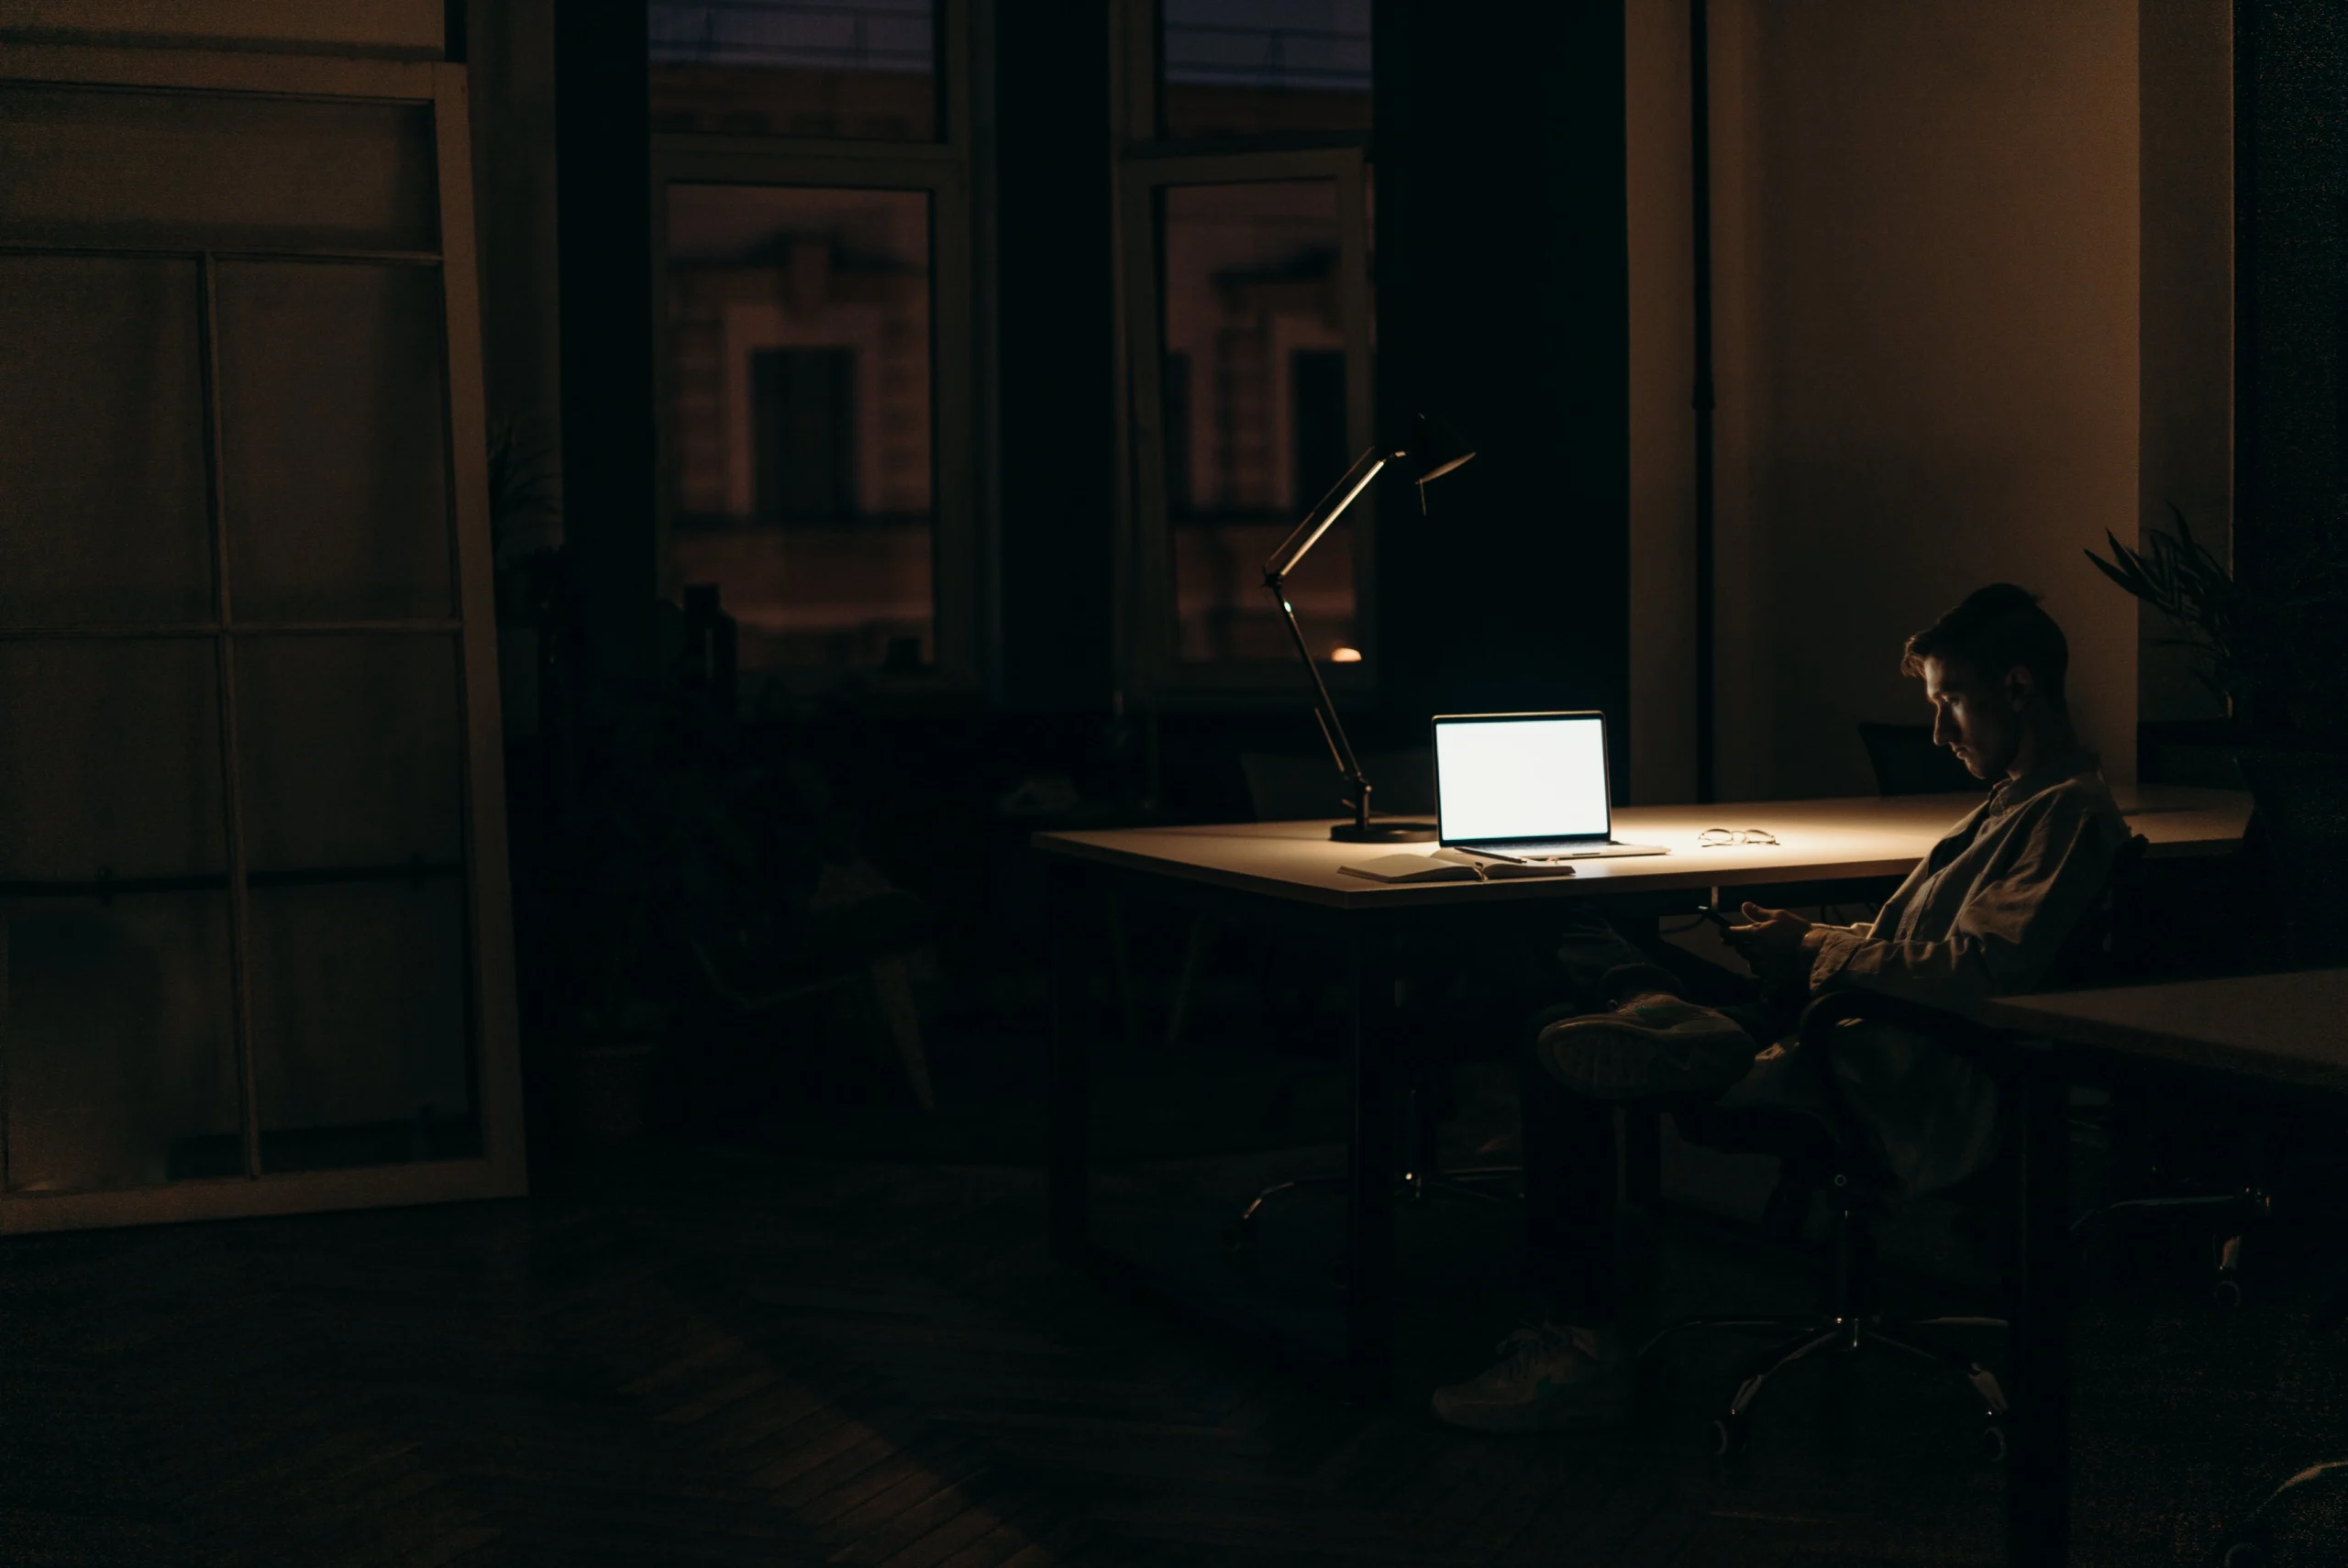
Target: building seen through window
[[855, 69], [1239, 67], [1253, 360], [800, 381]]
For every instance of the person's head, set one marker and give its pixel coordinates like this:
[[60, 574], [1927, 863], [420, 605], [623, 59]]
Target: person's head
[[1993, 672]]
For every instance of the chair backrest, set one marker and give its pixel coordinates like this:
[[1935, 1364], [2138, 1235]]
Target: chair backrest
[[1286, 787], [1906, 761], [2302, 820], [2110, 944]]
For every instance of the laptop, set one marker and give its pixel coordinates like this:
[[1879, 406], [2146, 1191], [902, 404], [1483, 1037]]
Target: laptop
[[1526, 786]]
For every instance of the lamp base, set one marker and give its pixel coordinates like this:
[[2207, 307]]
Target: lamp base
[[1384, 832]]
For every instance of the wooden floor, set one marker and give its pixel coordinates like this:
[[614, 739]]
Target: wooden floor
[[777, 1363]]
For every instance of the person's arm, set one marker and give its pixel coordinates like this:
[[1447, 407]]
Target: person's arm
[[2008, 930]]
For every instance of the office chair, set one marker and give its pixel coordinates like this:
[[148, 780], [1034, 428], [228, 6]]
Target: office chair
[[1838, 1160], [1906, 762], [2303, 819], [2251, 1542], [1285, 786], [1280, 787]]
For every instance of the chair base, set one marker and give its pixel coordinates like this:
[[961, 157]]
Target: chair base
[[2236, 1214], [1807, 1335], [1411, 1188], [2250, 1543]]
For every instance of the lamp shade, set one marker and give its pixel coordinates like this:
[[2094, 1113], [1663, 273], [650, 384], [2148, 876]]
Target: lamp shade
[[1435, 449]]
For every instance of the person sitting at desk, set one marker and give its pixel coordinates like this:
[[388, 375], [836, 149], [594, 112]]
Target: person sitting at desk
[[1983, 913]]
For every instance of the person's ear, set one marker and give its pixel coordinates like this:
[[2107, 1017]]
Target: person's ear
[[2019, 686]]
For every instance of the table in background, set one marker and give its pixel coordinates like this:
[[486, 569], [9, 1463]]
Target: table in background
[[1288, 876], [2254, 1034]]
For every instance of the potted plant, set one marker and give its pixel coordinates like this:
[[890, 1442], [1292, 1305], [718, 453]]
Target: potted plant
[[2276, 654]]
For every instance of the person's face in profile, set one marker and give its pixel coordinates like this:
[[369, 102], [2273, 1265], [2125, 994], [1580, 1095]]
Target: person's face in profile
[[1978, 720]]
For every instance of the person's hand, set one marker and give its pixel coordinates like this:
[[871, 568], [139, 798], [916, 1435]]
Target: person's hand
[[1775, 942]]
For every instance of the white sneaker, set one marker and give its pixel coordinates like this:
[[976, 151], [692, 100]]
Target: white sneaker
[[1549, 1379], [1650, 1045]]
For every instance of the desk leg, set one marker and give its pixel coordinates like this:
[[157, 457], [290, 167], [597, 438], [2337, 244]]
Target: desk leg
[[1369, 1253], [1069, 1095], [2038, 1467]]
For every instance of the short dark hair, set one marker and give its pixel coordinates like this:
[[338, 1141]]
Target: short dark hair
[[1995, 629]]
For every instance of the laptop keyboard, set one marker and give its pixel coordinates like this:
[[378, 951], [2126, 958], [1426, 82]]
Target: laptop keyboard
[[1549, 848]]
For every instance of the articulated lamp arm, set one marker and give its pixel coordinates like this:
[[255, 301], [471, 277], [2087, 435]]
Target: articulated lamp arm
[[1284, 561]]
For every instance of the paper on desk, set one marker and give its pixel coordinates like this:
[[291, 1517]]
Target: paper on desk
[[1448, 865]]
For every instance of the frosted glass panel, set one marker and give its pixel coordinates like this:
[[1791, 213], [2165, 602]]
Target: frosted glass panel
[[360, 1053], [351, 751], [102, 468], [109, 761], [334, 441], [119, 1041], [98, 166]]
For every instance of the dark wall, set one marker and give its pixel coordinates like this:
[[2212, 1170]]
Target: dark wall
[[1059, 484], [2291, 253], [604, 174], [1501, 303]]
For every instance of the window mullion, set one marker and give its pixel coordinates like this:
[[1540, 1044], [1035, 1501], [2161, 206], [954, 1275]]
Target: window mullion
[[231, 776]]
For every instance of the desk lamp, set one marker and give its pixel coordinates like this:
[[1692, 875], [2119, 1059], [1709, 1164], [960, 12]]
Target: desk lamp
[[1431, 451]]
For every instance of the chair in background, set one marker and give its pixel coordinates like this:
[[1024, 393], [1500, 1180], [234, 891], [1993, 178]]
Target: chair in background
[[1287, 787], [1282, 788], [1298, 786], [2251, 1542], [1906, 762]]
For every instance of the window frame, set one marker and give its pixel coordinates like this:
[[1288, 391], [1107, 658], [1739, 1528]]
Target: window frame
[[1150, 667], [943, 168], [1158, 658], [500, 1170]]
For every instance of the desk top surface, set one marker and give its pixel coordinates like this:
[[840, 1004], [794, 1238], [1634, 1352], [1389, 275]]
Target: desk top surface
[[1864, 837], [2289, 1029]]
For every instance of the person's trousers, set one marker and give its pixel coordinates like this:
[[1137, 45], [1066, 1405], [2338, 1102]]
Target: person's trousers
[[1573, 1178]]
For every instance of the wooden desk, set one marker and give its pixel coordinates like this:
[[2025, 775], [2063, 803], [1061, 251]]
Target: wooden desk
[[1864, 838], [1287, 875], [2288, 1031], [2261, 1034]]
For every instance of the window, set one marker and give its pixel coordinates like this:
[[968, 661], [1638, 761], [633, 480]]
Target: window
[[253, 951], [1247, 322], [863, 70], [1252, 313], [815, 332], [1242, 67]]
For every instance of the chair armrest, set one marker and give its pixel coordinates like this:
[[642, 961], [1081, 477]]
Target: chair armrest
[[1969, 1037], [1976, 1043]]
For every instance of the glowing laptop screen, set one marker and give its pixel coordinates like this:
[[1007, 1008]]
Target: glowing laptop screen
[[1533, 775]]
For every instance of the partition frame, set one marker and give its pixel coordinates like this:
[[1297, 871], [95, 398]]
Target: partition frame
[[500, 1170]]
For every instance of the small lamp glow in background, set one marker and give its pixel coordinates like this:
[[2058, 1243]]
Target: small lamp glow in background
[[1431, 451]]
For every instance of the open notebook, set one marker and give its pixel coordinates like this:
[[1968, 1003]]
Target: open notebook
[[1450, 866]]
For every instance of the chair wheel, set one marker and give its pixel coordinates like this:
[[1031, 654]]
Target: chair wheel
[[2245, 1551], [2226, 1294], [1993, 1443], [1731, 1436]]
